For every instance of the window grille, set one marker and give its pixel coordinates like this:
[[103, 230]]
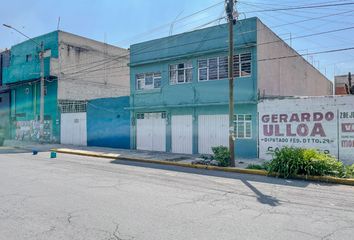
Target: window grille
[[72, 106]]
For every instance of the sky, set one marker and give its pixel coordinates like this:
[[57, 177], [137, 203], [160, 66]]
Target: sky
[[125, 22]]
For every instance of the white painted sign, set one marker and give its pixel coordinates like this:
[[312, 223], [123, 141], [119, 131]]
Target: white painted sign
[[346, 131], [323, 123]]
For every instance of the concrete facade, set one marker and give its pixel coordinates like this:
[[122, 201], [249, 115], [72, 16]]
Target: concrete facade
[[339, 83], [283, 72], [199, 97], [88, 69]]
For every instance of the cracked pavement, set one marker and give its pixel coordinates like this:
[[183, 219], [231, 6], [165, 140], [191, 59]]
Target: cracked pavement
[[76, 197]]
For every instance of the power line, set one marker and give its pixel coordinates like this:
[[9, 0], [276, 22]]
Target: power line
[[178, 20], [83, 71], [141, 51], [313, 53], [301, 7], [264, 43], [122, 56]]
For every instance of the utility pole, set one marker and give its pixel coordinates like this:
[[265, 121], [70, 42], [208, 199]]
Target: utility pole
[[350, 79], [229, 7], [41, 57]]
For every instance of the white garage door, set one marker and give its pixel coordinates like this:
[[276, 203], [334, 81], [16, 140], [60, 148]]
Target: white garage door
[[73, 129], [182, 134], [213, 130], [151, 132]]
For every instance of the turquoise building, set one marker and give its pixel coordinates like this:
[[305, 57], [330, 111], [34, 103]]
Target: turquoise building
[[22, 77], [180, 88], [180, 91]]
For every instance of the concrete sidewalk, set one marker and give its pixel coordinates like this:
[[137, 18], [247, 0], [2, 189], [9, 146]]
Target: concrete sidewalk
[[181, 160], [123, 153]]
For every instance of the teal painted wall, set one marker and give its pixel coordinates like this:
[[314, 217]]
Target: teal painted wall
[[194, 43], [22, 76], [25, 105], [20, 69], [108, 122], [4, 113], [196, 98]]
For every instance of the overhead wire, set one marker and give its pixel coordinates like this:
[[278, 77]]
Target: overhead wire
[[83, 71], [301, 7], [163, 26]]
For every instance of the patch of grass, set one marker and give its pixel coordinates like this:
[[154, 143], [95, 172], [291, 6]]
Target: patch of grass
[[263, 166]]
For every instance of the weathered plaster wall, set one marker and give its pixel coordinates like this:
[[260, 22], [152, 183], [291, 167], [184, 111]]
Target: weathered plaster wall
[[89, 69], [279, 75]]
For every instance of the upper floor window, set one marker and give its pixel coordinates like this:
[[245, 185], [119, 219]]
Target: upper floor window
[[212, 68], [242, 65], [181, 73], [148, 81], [28, 57], [243, 126], [217, 67]]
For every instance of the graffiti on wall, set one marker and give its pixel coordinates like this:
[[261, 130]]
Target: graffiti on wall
[[30, 130]]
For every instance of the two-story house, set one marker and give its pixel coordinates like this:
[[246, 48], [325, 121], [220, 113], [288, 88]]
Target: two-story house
[[179, 87], [76, 69]]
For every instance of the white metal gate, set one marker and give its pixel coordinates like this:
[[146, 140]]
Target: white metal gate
[[73, 129], [213, 130], [182, 134], [151, 132]]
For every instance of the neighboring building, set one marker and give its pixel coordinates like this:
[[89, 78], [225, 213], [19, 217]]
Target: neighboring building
[[179, 87], [339, 82], [4, 94], [108, 122], [77, 69]]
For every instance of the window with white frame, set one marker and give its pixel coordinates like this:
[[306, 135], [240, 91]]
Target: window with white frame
[[181, 73], [217, 67], [148, 81], [212, 68], [242, 65], [243, 126]]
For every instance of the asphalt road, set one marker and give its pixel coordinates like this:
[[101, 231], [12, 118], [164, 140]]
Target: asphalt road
[[74, 197]]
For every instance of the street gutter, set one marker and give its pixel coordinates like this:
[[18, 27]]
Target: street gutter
[[326, 179]]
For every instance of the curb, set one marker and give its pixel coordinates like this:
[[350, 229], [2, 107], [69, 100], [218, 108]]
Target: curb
[[326, 179], [156, 161]]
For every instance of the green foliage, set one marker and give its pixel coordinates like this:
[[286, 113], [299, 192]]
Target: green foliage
[[222, 155], [290, 161], [255, 166], [349, 171], [263, 166]]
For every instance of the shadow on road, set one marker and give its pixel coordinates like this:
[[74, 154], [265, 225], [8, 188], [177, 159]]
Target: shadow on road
[[243, 177], [262, 198]]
